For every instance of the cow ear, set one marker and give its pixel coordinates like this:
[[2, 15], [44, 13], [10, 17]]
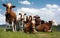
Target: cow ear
[[38, 17], [19, 13], [25, 14], [13, 6], [4, 5]]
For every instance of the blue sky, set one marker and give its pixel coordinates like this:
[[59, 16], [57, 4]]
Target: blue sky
[[46, 9]]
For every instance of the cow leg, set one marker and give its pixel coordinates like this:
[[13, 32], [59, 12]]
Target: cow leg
[[22, 26], [34, 31], [13, 27], [50, 30], [6, 26], [47, 30], [7, 23], [25, 30], [19, 23]]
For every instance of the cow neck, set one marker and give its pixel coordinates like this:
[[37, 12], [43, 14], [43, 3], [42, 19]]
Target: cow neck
[[9, 10]]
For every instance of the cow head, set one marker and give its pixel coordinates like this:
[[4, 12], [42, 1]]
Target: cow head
[[50, 26], [23, 16], [8, 7]]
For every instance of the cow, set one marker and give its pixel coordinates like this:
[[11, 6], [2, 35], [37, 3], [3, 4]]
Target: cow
[[37, 20], [21, 20], [10, 15], [30, 25], [45, 26]]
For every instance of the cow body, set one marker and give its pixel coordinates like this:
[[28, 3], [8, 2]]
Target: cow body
[[10, 17], [46, 27]]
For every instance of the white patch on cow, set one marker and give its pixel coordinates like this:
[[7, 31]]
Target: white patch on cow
[[18, 17], [22, 13], [25, 18], [33, 21], [9, 4]]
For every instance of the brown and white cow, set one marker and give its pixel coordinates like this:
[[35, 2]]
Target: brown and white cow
[[10, 15], [30, 25], [37, 20], [45, 26]]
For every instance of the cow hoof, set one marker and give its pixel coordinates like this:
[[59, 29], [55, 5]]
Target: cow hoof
[[13, 31], [51, 31]]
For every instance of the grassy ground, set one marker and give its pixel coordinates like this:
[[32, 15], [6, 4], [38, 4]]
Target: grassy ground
[[54, 34]]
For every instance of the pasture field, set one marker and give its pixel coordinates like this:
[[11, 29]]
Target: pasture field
[[54, 34]]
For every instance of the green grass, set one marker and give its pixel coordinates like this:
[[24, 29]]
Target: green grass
[[54, 34]]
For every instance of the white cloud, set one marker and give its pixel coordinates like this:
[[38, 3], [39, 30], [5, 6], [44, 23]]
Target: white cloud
[[2, 0], [52, 6], [27, 10], [58, 9], [25, 2], [0, 9], [2, 19]]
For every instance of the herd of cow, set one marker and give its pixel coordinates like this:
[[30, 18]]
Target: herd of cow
[[25, 23]]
